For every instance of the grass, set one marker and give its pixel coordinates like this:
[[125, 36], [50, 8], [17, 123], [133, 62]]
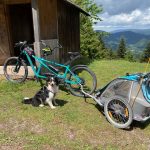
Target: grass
[[73, 125]]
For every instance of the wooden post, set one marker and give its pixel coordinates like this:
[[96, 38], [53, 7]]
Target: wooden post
[[36, 26], [4, 39]]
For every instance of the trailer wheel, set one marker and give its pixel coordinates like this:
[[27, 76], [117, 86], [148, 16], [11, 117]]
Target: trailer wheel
[[118, 112]]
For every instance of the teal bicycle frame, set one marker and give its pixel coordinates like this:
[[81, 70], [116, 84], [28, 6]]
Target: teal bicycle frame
[[42, 63]]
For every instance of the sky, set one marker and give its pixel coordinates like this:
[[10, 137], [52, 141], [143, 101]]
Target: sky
[[123, 14]]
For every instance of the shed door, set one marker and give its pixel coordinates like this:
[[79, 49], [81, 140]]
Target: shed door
[[4, 44], [21, 24]]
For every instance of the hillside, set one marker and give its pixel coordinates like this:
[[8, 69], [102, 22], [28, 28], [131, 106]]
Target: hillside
[[140, 31], [136, 40]]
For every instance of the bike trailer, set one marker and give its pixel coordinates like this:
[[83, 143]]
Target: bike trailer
[[125, 99]]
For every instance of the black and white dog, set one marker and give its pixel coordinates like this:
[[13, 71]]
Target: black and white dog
[[46, 95]]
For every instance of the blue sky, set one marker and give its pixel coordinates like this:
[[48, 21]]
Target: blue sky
[[124, 14]]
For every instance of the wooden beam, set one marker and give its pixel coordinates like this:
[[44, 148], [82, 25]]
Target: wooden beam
[[36, 26], [16, 1], [4, 41]]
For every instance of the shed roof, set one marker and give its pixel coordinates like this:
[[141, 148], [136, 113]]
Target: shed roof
[[76, 6]]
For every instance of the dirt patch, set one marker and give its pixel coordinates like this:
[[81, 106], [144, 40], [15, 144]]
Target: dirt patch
[[135, 139], [11, 147], [15, 127]]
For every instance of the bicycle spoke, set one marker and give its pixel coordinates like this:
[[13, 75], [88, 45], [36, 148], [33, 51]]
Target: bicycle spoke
[[118, 111]]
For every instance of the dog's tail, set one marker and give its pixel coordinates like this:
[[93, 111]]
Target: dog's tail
[[27, 100]]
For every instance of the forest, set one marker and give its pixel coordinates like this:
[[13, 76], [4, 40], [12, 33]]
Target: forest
[[93, 43]]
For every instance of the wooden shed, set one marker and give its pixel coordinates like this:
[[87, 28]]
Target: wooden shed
[[35, 20]]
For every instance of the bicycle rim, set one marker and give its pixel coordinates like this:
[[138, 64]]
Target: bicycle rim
[[15, 70], [88, 80]]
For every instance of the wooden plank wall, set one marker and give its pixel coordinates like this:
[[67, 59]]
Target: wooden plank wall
[[48, 19], [47, 28], [4, 44], [68, 29]]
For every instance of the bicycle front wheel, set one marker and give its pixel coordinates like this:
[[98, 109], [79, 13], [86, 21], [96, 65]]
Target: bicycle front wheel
[[88, 80], [15, 70]]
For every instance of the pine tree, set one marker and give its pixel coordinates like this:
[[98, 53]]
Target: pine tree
[[112, 54], [121, 51], [129, 56], [146, 54], [91, 45]]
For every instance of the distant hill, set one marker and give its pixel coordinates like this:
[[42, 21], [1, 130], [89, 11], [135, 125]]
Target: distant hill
[[140, 31], [136, 39]]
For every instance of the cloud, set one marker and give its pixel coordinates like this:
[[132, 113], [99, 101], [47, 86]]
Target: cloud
[[123, 18], [114, 7], [124, 14]]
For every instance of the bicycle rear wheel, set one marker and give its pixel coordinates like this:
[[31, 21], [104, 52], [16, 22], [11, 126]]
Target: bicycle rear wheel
[[88, 80], [15, 70]]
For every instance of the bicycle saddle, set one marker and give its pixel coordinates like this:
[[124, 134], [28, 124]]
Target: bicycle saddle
[[73, 53]]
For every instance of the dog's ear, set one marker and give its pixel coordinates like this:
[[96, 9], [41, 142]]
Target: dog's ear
[[47, 80], [57, 81]]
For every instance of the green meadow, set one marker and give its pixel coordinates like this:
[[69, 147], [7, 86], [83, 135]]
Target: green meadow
[[74, 124]]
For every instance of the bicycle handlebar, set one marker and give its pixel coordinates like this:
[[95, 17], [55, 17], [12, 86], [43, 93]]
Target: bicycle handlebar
[[46, 49], [20, 43], [59, 45]]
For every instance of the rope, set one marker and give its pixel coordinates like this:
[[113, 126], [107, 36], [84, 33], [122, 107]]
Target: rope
[[147, 65], [141, 81]]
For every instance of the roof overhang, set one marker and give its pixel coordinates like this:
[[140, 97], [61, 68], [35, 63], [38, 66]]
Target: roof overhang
[[77, 7]]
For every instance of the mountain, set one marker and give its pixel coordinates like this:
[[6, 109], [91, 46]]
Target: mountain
[[140, 31], [136, 39]]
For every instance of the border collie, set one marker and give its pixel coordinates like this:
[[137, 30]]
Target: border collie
[[46, 95]]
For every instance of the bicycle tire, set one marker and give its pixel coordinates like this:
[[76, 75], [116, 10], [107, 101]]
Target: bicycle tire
[[114, 112], [76, 91], [9, 67]]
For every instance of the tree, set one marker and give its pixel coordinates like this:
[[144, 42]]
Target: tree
[[146, 54], [121, 51], [112, 54], [129, 56], [91, 45]]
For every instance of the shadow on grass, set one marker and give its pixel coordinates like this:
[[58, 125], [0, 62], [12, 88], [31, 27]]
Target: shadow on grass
[[135, 124], [101, 109], [64, 88], [61, 102], [141, 125]]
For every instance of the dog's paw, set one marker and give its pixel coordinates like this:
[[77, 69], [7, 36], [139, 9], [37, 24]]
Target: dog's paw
[[53, 107], [25, 98], [41, 105]]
